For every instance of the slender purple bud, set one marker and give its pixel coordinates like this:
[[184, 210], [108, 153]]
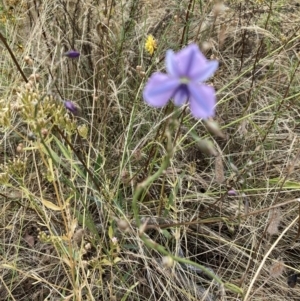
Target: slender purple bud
[[71, 107], [72, 54]]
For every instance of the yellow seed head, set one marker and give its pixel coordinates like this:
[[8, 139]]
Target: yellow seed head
[[20, 148], [150, 44], [83, 131]]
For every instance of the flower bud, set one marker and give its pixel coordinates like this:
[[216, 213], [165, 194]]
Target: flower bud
[[34, 77], [20, 148], [123, 225], [44, 132], [114, 240], [207, 147], [232, 192], [167, 261], [213, 127], [71, 107], [28, 60], [72, 54]]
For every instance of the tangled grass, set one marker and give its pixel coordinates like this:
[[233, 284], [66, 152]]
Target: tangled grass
[[125, 202]]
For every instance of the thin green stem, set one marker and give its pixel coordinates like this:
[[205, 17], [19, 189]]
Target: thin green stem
[[140, 188]]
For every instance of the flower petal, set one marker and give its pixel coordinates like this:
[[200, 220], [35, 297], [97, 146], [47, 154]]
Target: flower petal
[[181, 95], [190, 60], [202, 100], [194, 65], [204, 72], [172, 64], [159, 89]]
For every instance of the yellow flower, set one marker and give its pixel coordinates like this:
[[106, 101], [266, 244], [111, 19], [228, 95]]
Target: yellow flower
[[150, 44]]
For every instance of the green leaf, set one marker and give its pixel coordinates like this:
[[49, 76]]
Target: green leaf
[[234, 288], [99, 163], [287, 184]]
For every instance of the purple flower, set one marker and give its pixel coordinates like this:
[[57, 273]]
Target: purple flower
[[185, 71], [72, 54], [71, 107]]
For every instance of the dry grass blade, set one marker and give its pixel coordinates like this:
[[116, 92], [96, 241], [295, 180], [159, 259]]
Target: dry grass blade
[[274, 221], [219, 169], [69, 183]]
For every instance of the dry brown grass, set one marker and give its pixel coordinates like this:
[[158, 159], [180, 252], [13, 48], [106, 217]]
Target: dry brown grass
[[59, 223]]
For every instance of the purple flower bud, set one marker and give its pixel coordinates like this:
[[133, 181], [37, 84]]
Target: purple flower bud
[[71, 107], [232, 192], [72, 54]]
